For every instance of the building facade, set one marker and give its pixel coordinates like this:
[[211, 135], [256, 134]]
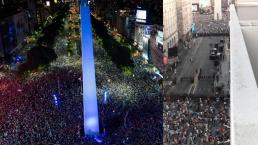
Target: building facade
[[142, 39], [170, 28], [184, 18], [125, 23], [17, 20], [217, 10], [13, 30], [156, 48]]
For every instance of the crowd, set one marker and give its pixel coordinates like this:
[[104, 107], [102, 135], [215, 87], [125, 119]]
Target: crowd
[[137, 95], [192, 120], [30, 117], [207, 26], [132, 116], [29, 114]]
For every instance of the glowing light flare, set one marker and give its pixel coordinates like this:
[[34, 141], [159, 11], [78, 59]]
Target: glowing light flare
[[56, 99], [106, 95], [48, 3]]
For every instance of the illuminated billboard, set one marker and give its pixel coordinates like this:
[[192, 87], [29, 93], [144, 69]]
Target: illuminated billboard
[[141, 16]]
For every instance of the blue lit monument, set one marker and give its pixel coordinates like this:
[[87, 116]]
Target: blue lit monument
[[90, 106]]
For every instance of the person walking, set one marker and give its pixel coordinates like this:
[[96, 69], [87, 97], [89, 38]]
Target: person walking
[[191, 60]]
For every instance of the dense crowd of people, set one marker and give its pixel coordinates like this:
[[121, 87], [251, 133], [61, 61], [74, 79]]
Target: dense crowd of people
[[30, 115], [206, 25], [201, 121], [137, 95], [48, 108]]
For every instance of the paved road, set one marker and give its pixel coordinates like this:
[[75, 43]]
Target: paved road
[[199, 54]]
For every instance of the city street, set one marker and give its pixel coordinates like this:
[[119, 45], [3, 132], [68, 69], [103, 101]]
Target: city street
[[196, 58]]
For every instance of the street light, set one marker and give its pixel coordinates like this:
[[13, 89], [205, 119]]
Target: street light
[[48, 3]]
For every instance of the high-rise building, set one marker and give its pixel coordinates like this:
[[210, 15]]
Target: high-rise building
[[177, 22], [17, 20], [217, 10], [184, 18], [170, 26], [14, 30]]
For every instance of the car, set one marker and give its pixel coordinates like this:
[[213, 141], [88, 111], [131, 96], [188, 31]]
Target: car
[[221, 47], [213, 54]]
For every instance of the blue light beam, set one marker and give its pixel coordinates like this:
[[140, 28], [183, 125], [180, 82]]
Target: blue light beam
[[90, 106]]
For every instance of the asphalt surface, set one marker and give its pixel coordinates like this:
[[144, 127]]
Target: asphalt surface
[[199, 54]]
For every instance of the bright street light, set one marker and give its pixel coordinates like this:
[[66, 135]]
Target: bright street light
[[48, 3]]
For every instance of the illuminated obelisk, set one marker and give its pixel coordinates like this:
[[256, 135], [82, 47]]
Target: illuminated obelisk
[[90, 105]]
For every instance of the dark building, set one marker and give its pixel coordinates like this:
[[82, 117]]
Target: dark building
[[108, 8], [17, 20], [125, 23]]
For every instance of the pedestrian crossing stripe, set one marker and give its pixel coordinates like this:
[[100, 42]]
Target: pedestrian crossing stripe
[[205, 77]]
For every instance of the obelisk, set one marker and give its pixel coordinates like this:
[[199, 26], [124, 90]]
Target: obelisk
[[90, 105]]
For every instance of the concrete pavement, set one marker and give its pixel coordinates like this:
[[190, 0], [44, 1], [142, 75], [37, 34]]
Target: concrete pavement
[[196, 58], [224, 76]]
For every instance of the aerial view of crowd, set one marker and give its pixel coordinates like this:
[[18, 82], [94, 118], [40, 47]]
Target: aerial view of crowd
[[193, 120], [206, 25], [47, 108]]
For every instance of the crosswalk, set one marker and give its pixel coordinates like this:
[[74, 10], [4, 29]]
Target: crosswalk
[[199, 77], [206, 77]]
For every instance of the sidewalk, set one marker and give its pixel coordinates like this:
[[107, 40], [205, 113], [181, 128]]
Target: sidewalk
[[225, 67]]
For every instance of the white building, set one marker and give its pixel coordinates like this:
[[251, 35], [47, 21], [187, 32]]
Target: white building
[[170, 25], [244, 72], [217, 10], [201, 4], [184, 18]]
